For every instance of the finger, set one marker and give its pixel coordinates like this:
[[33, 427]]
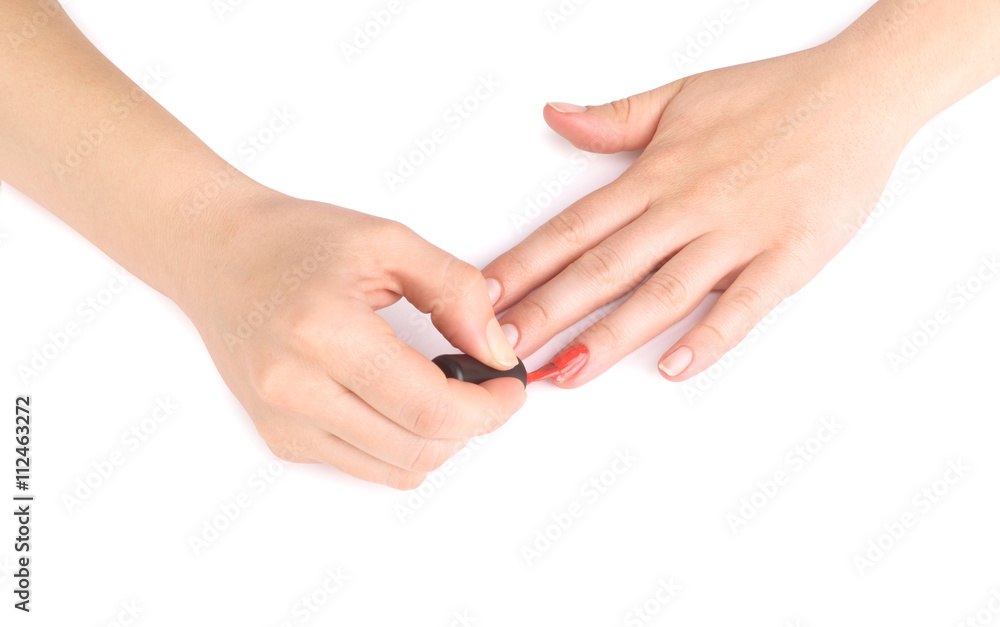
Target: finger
[[294, 438], [367, 358], [561, 240], [668, 296], [340, 412], [333, 451], [760, 288], [456, 296], [601, 275], [627, 124]]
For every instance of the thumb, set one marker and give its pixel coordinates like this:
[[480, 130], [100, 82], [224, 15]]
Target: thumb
[[627, 124], [456, 296]]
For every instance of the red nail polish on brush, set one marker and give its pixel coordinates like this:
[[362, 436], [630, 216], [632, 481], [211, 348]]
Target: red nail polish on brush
[[562, 367], [465, 368]]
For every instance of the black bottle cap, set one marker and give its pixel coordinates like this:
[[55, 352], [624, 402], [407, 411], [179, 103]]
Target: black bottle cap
[[465, 368]]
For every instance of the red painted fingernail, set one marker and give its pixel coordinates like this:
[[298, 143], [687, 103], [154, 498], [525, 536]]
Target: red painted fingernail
[[563, 367]]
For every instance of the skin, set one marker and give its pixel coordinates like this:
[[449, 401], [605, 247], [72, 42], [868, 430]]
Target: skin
[[283, 291], [751, 178]]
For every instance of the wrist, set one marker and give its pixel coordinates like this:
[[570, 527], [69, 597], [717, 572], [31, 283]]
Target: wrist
[[888, 99], [207, 219], [909, 61]]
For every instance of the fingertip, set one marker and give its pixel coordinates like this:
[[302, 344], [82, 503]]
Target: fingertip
[[570, 384], [501, 348], [567, 120], [404, 480], [578, 379], [511, 333], [510, 393], [675, 363], [570, 364], [460, 323], [507, 278], [565, 107], [495, 290]]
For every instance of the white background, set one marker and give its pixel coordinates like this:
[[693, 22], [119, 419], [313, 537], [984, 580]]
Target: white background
[[461, 549]]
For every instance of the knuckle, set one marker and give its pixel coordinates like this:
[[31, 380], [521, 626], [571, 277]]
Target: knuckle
[[608, 336], [704, 191], [666, 290], [801, 235], [271, 386], [796, 254], [602, 265], [430, 455], [645, 172], [568, 227], [533, 313], [309, 333], [622, 109], [792, 267], [432, 417], [460, 280], [392, 230], [513, 264], [719, 337], [648, 171], [746, 301]]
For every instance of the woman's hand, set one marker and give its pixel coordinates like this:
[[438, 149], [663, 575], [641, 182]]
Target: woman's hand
[[286, 306], [751, 179], [283, 291]]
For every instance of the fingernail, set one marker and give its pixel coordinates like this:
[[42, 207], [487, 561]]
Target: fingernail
[[494, 289], [565, 107], [569, 369], [502, 351], [677, 361], [510, 332]]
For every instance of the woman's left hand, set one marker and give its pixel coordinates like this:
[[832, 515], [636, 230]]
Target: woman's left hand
[[751, 179]]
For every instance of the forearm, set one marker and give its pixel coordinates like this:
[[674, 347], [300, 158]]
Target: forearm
[[915, 58], [84, 141]]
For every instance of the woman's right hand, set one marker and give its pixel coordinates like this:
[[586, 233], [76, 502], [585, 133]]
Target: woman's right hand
[[285, 301]]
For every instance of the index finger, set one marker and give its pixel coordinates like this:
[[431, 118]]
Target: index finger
[[560, 241], [406, 387]]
